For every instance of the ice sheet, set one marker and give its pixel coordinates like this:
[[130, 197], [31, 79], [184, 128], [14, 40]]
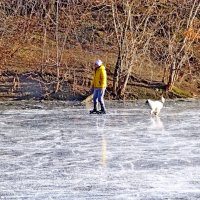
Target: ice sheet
[[56, 151]]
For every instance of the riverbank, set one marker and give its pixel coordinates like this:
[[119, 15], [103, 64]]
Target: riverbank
[[44, 59], [32, 86]]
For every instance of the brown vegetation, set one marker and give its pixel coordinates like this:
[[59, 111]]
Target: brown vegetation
[[47, 48]]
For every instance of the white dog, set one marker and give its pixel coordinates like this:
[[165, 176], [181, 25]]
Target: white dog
[[156, 106]]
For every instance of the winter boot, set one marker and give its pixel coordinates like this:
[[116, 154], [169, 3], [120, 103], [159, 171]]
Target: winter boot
[[94, 111], [103, 110]]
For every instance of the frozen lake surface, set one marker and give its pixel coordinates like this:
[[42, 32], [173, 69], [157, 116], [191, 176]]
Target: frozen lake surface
[[57, 151]]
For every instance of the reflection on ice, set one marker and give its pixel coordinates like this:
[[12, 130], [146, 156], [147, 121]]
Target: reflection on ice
[[100, 129], [57, 151], [104, 151], [156, 123]]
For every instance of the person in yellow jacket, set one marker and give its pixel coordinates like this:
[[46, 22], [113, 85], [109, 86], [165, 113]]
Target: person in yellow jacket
[[99, 87]]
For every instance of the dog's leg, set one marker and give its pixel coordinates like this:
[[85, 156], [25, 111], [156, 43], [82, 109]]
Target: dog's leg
[[157, 112]]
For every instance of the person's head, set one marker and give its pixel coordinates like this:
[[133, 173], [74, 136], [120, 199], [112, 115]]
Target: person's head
[[98, 63]]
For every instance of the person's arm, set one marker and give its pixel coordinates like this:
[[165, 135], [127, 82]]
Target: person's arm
[[92, 85], [103, 78]]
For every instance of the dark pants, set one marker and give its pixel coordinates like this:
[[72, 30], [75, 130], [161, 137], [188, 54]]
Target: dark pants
[[98, 96]]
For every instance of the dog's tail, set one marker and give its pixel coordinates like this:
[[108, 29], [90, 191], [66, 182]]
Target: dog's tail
[[162, 99]]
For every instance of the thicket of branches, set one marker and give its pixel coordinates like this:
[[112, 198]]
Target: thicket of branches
[[163, 33]]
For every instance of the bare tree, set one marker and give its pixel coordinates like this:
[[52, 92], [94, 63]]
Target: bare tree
[[133, 32], [180, 56], [154, 29], [147, 33]]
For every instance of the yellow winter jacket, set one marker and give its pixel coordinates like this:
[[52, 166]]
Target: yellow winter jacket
[[100, 77]]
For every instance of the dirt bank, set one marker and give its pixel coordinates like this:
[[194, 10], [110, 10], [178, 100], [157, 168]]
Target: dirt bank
[[32, 86]]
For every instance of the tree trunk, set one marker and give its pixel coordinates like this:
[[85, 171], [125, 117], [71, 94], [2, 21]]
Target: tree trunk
[[171, 76], [116, 74], [123, 88], [57, 49]]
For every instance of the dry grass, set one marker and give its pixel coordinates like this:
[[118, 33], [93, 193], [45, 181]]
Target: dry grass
[[87, 35]]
